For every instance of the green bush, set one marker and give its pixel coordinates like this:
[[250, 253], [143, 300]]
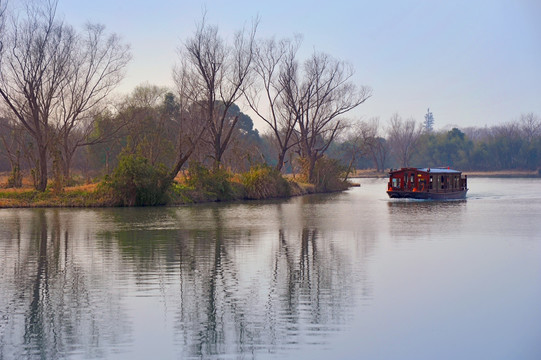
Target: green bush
[[135, 182], [215, 183], [263, 182], [329, 175]]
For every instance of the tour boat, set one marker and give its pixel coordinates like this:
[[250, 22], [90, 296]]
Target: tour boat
[[427, 183]]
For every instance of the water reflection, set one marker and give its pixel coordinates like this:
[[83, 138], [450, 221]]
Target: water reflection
[[283, 279], [418, 219], [50, 303], [226, 279]]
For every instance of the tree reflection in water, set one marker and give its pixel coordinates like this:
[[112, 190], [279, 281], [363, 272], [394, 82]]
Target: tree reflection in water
[[243, 292], [230, 279], [54, 301]]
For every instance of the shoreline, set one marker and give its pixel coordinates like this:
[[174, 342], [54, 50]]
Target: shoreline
[[501, 174], [88, 196]]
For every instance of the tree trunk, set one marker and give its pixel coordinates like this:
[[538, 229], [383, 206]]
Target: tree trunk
[[376, 162], [15, 179], [350, 167], [42, 183], [311, 167], [67, 166], [281, 157], [181, 161], [218, 153]]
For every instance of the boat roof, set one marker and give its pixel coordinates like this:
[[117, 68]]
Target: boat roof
[[431, 170], [440, 170]]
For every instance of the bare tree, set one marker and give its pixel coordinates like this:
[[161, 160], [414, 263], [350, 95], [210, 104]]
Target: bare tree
[[189, 116], [352, 147], [317, 102], [477, 134], [404, 136], [96, 68], [34, 70], [3, 15], [530, 125], [148, 126], [52, 80], [274, 63], [214, 73], [12, 145], [509, 130], [373, 144]]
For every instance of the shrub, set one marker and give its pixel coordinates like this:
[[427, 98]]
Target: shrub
[[328, 174], [136, 182], [263, 182], [215, 183]]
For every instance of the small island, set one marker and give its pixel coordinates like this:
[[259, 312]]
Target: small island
[[136, 183]]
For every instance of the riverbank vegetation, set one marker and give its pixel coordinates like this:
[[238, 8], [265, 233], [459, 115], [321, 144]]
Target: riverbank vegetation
[[63, 135], [137, 183], [58, 118]]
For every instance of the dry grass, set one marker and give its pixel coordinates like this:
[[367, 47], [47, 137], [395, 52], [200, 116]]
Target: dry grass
[[26, 196], [16, 190], [27, 181], [85, 187]]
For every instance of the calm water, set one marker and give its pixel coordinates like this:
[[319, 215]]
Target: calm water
[[352, 275]]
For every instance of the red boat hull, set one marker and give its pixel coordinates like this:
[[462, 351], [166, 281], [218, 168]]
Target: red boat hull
[[454, 195]]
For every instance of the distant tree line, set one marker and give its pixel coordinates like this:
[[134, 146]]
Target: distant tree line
[[512, 146]]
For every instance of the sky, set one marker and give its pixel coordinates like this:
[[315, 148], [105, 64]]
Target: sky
[[472, 62]]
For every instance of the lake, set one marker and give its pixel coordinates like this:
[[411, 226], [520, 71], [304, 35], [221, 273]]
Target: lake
[[350, 275]]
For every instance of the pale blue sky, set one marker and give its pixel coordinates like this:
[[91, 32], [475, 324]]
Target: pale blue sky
[[474, 63]]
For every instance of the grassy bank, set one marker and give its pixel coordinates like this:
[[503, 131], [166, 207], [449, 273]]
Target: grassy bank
[[76, 196], [248, 186]]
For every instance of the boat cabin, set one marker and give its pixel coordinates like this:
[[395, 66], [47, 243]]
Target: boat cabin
[[426, 183]]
